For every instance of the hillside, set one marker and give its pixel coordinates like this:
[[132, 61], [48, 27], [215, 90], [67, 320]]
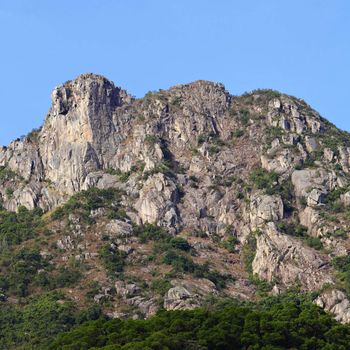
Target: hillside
[[124, 207]]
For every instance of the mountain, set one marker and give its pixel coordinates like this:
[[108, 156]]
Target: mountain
[[188, 194]]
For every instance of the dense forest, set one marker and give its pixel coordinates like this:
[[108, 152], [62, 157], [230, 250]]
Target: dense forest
[[290, 321]]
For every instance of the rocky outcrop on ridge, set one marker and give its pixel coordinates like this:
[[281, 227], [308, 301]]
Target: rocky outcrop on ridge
[[222, 171]]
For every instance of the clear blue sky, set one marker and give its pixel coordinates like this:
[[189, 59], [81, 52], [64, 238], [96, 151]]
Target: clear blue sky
[[300, 47]]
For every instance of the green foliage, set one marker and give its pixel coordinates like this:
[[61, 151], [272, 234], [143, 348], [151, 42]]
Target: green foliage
[[160, 286], [342, 264], [19, 270], [182, 263], [124, 176], [244, 115], [163, 167], [297, 230], [117, 214], [180, 243], [64, 277], [273, 133], [88, 200], [151, 139], [314, 242], [230, 243], [179, 262], [18, 227], [213, 149], [6, 174], [293, 229], [9, 192], [176, 101], [263, 179], [332, 200], [33, 135], [249, 251], [33, 325], [215, 142], [149, 232], [112, 259], [237, 133], [277, 323], [262, 286], [268, 93]]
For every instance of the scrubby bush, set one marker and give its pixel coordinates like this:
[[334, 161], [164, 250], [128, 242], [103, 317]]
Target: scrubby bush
[[85, 201], [263, 179], [149, 232], [314, 242], [112, 259]]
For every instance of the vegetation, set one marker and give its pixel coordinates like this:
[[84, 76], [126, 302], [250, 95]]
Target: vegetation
[[292, 228], [230, 243], [18, 227], [32, 326], [6, 174], [342, 265], [113, 259], [123, 176], [297, 230], [287, 322], [149, 232], [314, 242], [237, 133], [160, 286], [19, 270], [263, 179], [249, 251], [85, 201]]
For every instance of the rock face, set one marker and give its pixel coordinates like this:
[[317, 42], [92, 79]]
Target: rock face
[[157, 202], [186, 295], [202, 164], [265, 208], [337, 303], [283, 258]]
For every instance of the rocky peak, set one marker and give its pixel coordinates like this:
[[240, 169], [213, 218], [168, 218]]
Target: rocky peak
[[262, 173]]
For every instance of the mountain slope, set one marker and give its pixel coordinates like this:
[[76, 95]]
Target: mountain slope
[[165, 201]]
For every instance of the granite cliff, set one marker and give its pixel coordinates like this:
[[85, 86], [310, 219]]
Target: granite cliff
[[199, 193]]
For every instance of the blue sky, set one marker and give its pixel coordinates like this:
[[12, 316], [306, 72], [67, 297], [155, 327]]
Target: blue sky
[[300, 47]]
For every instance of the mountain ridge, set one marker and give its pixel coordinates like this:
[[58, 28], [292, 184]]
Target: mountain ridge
[[186, 193]]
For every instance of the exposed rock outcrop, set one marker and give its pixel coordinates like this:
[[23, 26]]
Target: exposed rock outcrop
[[182, 159], [285, 259]]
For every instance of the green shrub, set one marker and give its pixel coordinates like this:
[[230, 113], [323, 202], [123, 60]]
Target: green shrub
[[237, 133], [292, 228], [314, 242], [6, 174], [112, 259], [149, 232], [230, 244], [64, 277], [244, 115], [342, 264], [249, 251], [151, 139], [263, 179], [88, 200], [179, 262], [180, 243], [160, 286]]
